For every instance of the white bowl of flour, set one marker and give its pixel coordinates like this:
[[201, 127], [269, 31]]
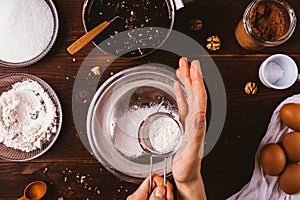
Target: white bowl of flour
[[30, 117], [28, 31]]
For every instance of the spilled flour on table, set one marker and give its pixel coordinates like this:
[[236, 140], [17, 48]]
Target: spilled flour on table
[[27, 116]]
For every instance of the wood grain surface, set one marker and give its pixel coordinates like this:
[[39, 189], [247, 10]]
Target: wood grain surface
[[226, 169]]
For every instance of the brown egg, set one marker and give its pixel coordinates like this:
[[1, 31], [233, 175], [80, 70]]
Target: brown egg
[[289, 180], [291, 145], [273, 159], [290, 115]]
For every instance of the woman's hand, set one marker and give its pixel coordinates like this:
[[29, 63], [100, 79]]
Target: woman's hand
[[192, 113], [159, 191]]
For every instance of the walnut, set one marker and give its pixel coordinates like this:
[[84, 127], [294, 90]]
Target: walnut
[[195, 24], [213, 43], [251, 88], [96, 70]]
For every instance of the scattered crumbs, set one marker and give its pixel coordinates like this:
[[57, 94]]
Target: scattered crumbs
[[101, 169], [126, 190], [60, 198], [67, 78], [82, 179], [45, 170], [111, 73], [74, 77], [77, 180], [119, 190], [90, 74], [58, 67], [107, 60], [96, 70], [74, 59], [85, 101]]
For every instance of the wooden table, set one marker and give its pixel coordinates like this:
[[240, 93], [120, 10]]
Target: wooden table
[[225, 170]]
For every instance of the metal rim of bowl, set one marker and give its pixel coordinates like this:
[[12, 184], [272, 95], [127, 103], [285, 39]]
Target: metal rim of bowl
[[48, 89], [171, 8], [92, 107], [46, 50]]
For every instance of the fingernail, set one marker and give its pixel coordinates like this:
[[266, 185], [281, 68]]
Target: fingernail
[[181, 61], [196, 65], [160, 192]]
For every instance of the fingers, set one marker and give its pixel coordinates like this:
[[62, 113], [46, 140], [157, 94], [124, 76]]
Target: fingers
[[191, 78], [181, 102], [183, 74], [198, 86], [159, 193], [142, 191], [169, 195], [159, 181], [184, 68]]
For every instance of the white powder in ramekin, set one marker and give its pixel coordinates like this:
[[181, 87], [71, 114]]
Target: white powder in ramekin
[[27, 116], [273, 72], [26, 29]]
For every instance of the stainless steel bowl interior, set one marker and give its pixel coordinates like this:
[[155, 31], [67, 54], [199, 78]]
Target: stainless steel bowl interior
[[139, 87]]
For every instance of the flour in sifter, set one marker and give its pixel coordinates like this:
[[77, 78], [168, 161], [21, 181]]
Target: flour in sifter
[[164, 135]]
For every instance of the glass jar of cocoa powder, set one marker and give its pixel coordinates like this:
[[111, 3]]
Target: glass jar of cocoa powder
[[265, 23]]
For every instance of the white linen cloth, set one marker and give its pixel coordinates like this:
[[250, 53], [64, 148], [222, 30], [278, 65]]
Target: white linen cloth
[[262, 186]]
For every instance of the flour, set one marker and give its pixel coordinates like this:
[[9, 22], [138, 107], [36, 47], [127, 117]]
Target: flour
[[273, 72], [26, 29], [126, 127], [27, 116], [164, 134]]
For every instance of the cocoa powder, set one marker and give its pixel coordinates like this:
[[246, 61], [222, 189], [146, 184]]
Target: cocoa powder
[[269, 21]]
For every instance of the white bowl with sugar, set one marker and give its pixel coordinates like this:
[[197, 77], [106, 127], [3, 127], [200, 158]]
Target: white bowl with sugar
[[28, 31]]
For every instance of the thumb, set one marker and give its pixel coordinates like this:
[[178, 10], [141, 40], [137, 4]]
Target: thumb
[[159, 193]]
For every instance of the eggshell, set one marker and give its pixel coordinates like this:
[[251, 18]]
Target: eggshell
[[291, 145], [290, 115], [273, 159], [289, 180]]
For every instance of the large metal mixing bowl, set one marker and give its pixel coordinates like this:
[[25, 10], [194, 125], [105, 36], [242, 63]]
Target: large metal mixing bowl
[[144, 86]]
